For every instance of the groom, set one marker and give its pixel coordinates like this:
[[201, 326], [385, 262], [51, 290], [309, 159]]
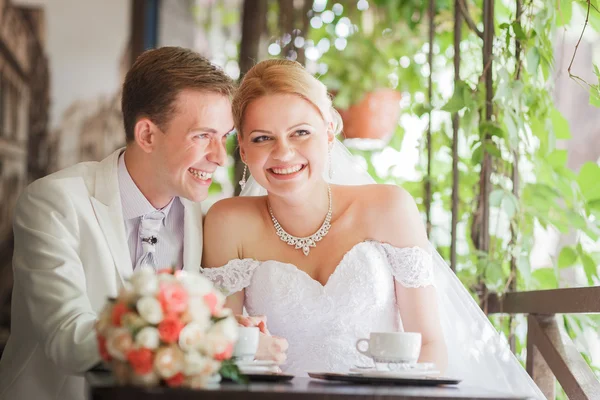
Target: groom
[[81, 231]]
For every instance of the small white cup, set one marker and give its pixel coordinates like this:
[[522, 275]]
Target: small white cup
[[392, 347], [247, 344]]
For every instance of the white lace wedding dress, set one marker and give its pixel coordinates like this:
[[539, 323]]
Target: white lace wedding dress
[[323, 323]]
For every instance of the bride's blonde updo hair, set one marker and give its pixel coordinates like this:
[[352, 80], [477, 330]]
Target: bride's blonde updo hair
[[279, 76]]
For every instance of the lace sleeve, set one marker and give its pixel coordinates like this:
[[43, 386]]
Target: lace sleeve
[[233, 276], [411, 266]]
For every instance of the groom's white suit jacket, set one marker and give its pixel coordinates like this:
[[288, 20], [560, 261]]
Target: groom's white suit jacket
[[70, 255]]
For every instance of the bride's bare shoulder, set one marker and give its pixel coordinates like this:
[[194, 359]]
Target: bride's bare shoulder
[[234, 210], [226, 224], [389, 214]]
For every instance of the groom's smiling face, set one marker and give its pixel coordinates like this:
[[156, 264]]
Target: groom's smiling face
[[192, 145]]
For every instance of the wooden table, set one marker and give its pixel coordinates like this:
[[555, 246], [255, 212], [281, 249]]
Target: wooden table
[[102, 387]]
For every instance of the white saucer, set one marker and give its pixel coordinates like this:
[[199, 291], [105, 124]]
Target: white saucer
[[260, 370], [255, 363]]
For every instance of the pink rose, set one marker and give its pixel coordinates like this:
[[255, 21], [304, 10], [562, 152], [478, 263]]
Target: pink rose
[[118, 311], [141, 360], [173, 297], [225, 354], [212, 302], [169, 329], [176, 380], [102, 348]]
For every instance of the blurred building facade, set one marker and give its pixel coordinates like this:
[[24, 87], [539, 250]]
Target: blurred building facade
[[26, 149]]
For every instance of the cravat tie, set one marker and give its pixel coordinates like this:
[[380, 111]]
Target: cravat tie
[[149, 227]]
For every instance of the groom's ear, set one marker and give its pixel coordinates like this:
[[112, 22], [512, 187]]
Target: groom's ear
[[143, 133]]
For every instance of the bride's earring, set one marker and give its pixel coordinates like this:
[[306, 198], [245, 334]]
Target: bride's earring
[[330, 165], [243, 181]]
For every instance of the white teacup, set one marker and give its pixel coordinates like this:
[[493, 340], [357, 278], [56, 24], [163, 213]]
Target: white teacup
[[392, 347], [247, 344]]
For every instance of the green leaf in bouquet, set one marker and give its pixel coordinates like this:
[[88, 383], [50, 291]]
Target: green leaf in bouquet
[[231, 371], [218, 319]]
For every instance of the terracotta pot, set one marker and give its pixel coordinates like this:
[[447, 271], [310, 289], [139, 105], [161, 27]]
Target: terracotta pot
[[374, 117]]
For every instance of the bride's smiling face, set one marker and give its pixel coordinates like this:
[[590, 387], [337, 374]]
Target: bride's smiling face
[[284, 142]]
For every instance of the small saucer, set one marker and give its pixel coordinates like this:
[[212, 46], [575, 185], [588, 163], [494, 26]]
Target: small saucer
[[259, 369], [255, 363]]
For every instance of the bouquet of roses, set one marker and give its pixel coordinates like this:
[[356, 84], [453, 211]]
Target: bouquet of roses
[[168, 328]]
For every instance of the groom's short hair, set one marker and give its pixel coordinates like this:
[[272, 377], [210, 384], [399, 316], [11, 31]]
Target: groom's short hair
[[158, 76]]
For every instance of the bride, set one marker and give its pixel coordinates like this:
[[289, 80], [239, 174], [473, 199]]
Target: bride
[[326, 255]]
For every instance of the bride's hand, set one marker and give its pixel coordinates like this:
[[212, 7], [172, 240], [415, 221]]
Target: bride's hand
[[269, 347], [259, 321], [272, 348]]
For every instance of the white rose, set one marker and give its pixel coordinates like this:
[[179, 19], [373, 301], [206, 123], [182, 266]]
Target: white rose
[[145, 282], [196, 364], [216, 345], [191, 336], [168, 362], [227, 328], [148, 380], [221, 337], [196, 284], [118, 343], [148, 337], [199, 311], [169, 278], [149, 308]]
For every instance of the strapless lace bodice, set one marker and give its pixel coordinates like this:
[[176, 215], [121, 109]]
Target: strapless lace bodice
[[323, 323]]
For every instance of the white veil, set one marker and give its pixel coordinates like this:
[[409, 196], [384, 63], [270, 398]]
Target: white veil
[[477, 354]]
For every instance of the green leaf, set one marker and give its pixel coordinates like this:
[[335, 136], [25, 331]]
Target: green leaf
[[560, 125], [492, 149], [564, 13], [589, 181], [595, 95], [558, 158], [567, 257], [546, 278], [510, 205], [519, 34], [457, 101], [590, 267], [229, 370], [477, 156], [533, 60], [524, 268], [491, 129], [496, 197]]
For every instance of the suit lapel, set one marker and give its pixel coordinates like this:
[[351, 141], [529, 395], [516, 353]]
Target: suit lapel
[[107, 206], [192, 235]]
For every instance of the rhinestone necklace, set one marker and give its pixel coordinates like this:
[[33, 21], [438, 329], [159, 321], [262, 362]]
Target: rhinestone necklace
[[304, 243]]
